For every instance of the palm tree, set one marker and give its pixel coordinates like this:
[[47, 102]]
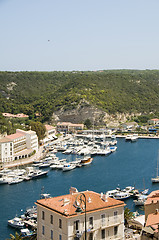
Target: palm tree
[[16, 237], [127, 215]]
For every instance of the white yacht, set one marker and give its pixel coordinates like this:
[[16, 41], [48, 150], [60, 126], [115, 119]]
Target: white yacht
[[16, 222], [68, 167], [121, 195]]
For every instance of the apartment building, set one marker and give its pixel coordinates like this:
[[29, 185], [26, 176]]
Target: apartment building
[[58, 220], [18, 145]]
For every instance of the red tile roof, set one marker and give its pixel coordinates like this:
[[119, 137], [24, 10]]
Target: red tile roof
[[65, 204], [152, 219], [152, 197]]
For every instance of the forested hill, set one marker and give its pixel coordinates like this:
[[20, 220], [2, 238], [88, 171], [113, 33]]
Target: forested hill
[[111, 90]]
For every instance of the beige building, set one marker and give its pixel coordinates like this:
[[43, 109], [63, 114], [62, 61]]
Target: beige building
[[18, 145], [58, 220], [69, 127]]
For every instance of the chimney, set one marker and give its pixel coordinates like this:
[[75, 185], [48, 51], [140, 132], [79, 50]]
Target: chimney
[[73, 190], [101, 195]]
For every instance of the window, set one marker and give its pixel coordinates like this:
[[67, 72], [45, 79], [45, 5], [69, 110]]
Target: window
[[103, 219], [51, 219], [91, 221], [115, 214], [43, 215], [51, 235], [115, 230], [60, 237], [76, 225], [60, 223], [91, 236], [103, 234], [43, 230]]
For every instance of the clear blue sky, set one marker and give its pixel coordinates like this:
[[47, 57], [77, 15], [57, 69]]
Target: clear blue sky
[[82, 34]]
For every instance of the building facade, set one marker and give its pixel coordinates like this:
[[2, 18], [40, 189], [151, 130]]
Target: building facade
[[58, 220], [69, 127], [18, 145]]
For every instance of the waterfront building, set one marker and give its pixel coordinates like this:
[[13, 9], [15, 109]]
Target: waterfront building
[[57, 217], [50, 132], [154, 121], [69, 127], [18, 145]]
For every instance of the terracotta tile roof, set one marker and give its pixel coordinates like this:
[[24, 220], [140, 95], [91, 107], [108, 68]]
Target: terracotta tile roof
[[65, 204], [153, 219], [152, 197], [15, 135]]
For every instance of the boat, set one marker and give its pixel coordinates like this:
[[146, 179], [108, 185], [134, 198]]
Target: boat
[[57, 166], [128, 138], [16, 222], [68, 167], [25, 233], [134, 138], [121, 195], [86, 161], [156, 179], [140, 201], [45, 165], [38, 174], [5, 179], [16, 180], [111, 193]]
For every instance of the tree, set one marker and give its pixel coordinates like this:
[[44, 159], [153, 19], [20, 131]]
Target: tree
[[39, 128], [88, 123], [127, 215]]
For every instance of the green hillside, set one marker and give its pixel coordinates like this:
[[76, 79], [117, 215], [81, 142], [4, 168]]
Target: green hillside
[[112, 91]]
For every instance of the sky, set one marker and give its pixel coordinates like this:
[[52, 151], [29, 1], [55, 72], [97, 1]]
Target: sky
[[67, 35]]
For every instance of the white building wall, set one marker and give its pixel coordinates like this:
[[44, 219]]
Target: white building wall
[[6, 152]]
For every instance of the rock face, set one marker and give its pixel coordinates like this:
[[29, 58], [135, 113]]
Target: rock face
[[96, 116]]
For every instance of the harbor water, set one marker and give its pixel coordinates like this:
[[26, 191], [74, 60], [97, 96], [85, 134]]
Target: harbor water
[[133, 164]]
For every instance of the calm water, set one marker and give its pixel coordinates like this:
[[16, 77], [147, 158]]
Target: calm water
[[132, 163]]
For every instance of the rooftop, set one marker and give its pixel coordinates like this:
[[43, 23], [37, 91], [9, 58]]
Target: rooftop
[[153, 197], [15, 136], [153, 219], [65, 204]]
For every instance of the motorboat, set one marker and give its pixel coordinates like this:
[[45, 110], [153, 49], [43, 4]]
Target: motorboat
[[121, 195], [68, 167], [111, 193], [134, 138], [86, 161], [57, 166], [140, 201], [128, 138], [16, 222], [4, 171], [113, 148], [38, 174], [16, 180], [5, 179], [25, 233], [45, 164]]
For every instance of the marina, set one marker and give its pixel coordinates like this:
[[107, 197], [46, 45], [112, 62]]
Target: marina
[[127, 166]]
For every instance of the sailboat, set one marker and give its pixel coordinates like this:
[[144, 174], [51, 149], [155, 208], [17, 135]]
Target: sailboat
[[156, 179]]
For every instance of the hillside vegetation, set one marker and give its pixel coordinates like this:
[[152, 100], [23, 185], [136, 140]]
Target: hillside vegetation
[[122, 91]]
